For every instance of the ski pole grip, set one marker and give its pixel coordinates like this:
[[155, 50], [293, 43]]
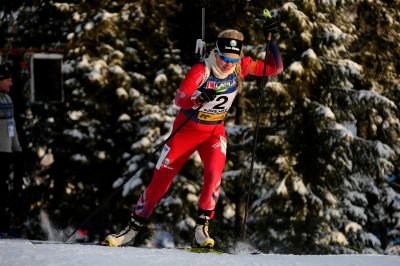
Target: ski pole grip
[[267, 14]]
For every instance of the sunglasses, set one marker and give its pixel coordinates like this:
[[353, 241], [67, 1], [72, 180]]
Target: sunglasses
[[228, 59]]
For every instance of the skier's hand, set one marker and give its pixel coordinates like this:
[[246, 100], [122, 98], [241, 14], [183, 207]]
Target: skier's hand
[[208, 95], [271, 26]]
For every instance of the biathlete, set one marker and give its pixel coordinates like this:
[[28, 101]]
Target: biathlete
[[214, 85]]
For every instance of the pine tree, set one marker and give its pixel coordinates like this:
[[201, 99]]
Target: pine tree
[[331, 178]]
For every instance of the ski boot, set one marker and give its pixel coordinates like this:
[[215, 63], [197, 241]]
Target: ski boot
[[126, 236], [201, 235]]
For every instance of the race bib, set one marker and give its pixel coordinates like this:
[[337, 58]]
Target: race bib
[[217, 109], [211, 117]]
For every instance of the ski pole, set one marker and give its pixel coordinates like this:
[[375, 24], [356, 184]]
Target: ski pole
[[145, 161], [203, 20], [201, 48], [268, 39]]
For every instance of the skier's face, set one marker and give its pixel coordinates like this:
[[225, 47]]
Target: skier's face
[[226, 61]]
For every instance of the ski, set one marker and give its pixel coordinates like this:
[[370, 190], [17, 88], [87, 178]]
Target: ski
[[49, 242], [205, 250], [188, 248], [221, 250]]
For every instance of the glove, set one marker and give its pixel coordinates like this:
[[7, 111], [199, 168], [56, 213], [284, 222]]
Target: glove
[[208, 95], [271, 26]]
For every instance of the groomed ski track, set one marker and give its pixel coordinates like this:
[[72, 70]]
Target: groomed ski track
[[18, 252]]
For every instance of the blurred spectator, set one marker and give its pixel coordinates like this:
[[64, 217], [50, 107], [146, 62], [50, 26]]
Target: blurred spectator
[[9, 150]]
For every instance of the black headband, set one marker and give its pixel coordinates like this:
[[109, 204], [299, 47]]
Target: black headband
[[229, 45]]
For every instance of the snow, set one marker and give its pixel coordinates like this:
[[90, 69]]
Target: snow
[[300, 16], [192, 198], [79, 158], [131, 184], [89, 26], [171, 200], [62, 6], [133, 93], [335, 237], [375, 97], [229, 211], [96, 73], [349, 67], [282, 189], [296, 68], [117, 70], [342, 131], [384, 150], [160, 79], [124, 118], [142, 143], [351, 126], [309, 53], [356, 211], [75, 115], [328, 2], [75, 133], [325, 112], [176, 69], [277, 87], [353, 227], [122, 93], [333, 33], [330, 198], [299, 186], [23, 252]]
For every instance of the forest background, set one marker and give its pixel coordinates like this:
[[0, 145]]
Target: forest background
[[326, 177]]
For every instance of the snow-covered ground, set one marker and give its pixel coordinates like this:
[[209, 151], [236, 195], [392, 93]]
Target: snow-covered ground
[[24, 253]]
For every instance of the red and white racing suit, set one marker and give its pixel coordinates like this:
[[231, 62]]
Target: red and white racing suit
[[204, 132]]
